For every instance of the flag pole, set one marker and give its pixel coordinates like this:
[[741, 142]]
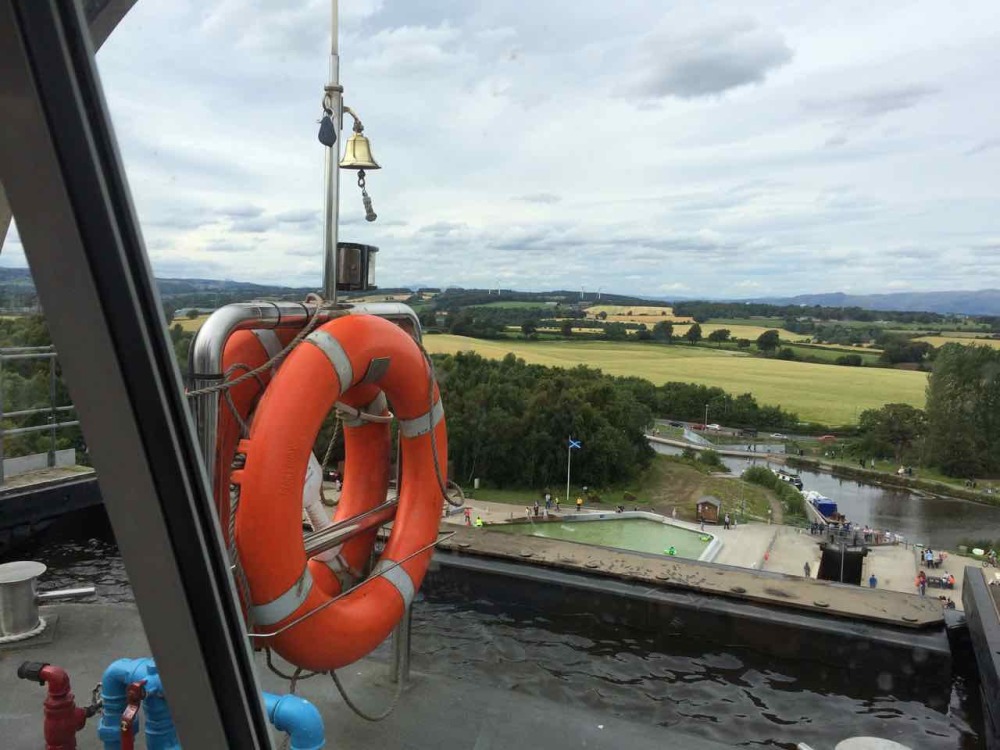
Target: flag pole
[[569, 461]]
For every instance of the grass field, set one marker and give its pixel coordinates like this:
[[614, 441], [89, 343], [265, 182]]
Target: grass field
[[767, 323], [190, 324], [942, 340], [664, 485], [820, 393], [828, 354], [514, 305]]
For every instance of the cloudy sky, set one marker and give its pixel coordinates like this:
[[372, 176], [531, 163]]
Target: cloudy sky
[[689, 148]]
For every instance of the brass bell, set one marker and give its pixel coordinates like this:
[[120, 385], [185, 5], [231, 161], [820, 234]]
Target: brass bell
[[358, 153]]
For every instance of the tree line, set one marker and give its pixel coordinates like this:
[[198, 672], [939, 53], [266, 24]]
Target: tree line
[[508, 421], [958, 432]]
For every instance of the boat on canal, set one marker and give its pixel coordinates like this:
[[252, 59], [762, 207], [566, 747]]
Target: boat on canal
[[788, 477]]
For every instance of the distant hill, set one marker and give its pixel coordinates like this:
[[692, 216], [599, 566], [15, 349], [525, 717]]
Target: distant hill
[[16, 286], [982, 302]]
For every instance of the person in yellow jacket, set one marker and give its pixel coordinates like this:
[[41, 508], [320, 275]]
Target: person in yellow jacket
[[579, 504], [479, 522]]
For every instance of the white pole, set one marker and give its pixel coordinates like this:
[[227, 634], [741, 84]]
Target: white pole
[[569, 461], [331, 171], [706, 415]]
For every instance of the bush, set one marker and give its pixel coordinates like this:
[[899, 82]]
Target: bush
[[790, 497], [712, 460], [983, 544]]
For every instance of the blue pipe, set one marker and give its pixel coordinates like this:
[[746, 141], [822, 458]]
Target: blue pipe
[[290, 714], [298, 718], [117, 677], [160, 731]]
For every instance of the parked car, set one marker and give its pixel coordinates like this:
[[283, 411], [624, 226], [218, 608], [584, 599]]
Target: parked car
[[697, 426], [714, 426], [676, 424], [779, 436]]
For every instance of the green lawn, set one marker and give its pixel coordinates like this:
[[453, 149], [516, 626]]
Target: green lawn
[[828, 354], [664, 485], [820, 393], [517, 305]]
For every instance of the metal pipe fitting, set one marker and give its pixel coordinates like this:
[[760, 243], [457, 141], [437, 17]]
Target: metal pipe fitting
[[79, 591], [205, 358], [298, 718], [63, 718]]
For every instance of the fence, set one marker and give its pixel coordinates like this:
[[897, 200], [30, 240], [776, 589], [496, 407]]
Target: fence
[[52, 411]]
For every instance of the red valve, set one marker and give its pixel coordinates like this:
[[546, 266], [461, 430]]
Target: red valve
[[62, 717], [134, 694]]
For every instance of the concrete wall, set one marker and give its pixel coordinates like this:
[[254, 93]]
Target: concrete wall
[[912, 663], [984, 630], [23, 464]]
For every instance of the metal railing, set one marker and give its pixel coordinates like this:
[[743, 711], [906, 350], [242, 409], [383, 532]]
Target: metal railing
[[36, 353]]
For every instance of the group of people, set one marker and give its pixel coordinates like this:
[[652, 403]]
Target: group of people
[[468, 518], [930, 560], [946, 580]]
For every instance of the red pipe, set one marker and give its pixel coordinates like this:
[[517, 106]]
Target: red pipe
[[63, 719]]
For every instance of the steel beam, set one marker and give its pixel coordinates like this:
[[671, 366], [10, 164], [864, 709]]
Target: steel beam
[[61, 169]]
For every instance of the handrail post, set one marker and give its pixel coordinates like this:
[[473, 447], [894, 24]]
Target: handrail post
[[52, 412], [400, 668]]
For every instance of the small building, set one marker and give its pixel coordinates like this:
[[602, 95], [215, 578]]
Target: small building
[[709, 508]]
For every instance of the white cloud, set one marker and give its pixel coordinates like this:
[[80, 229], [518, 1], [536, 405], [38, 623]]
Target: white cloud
[[633, 146], [692, 59]]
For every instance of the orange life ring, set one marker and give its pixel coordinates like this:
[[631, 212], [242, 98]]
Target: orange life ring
[[350, 359]]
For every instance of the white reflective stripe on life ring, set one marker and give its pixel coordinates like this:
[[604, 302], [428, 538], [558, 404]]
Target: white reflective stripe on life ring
[[285, 605], [398, 577], [423, 424], [336, 354]]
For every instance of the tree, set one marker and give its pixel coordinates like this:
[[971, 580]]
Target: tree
[[602, 315], [428, 319], [896, 349], [663, 331], [963, 410], [643, 333], [894, 427], [768, 341], [693, 334], [719, 335], [743, 343], [168, 312], [615, 332], [192, 314], [529, 328], [566, 328]]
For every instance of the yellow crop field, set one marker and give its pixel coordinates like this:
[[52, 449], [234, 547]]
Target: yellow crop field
[[742, 331], [821, 393], [956, 339], [189, 324], [636, 314]]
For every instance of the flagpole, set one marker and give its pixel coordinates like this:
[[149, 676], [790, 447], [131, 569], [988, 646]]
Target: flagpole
[[569, 461]]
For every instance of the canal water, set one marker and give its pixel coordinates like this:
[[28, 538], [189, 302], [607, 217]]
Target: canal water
[[941, 523], [725, 693]]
